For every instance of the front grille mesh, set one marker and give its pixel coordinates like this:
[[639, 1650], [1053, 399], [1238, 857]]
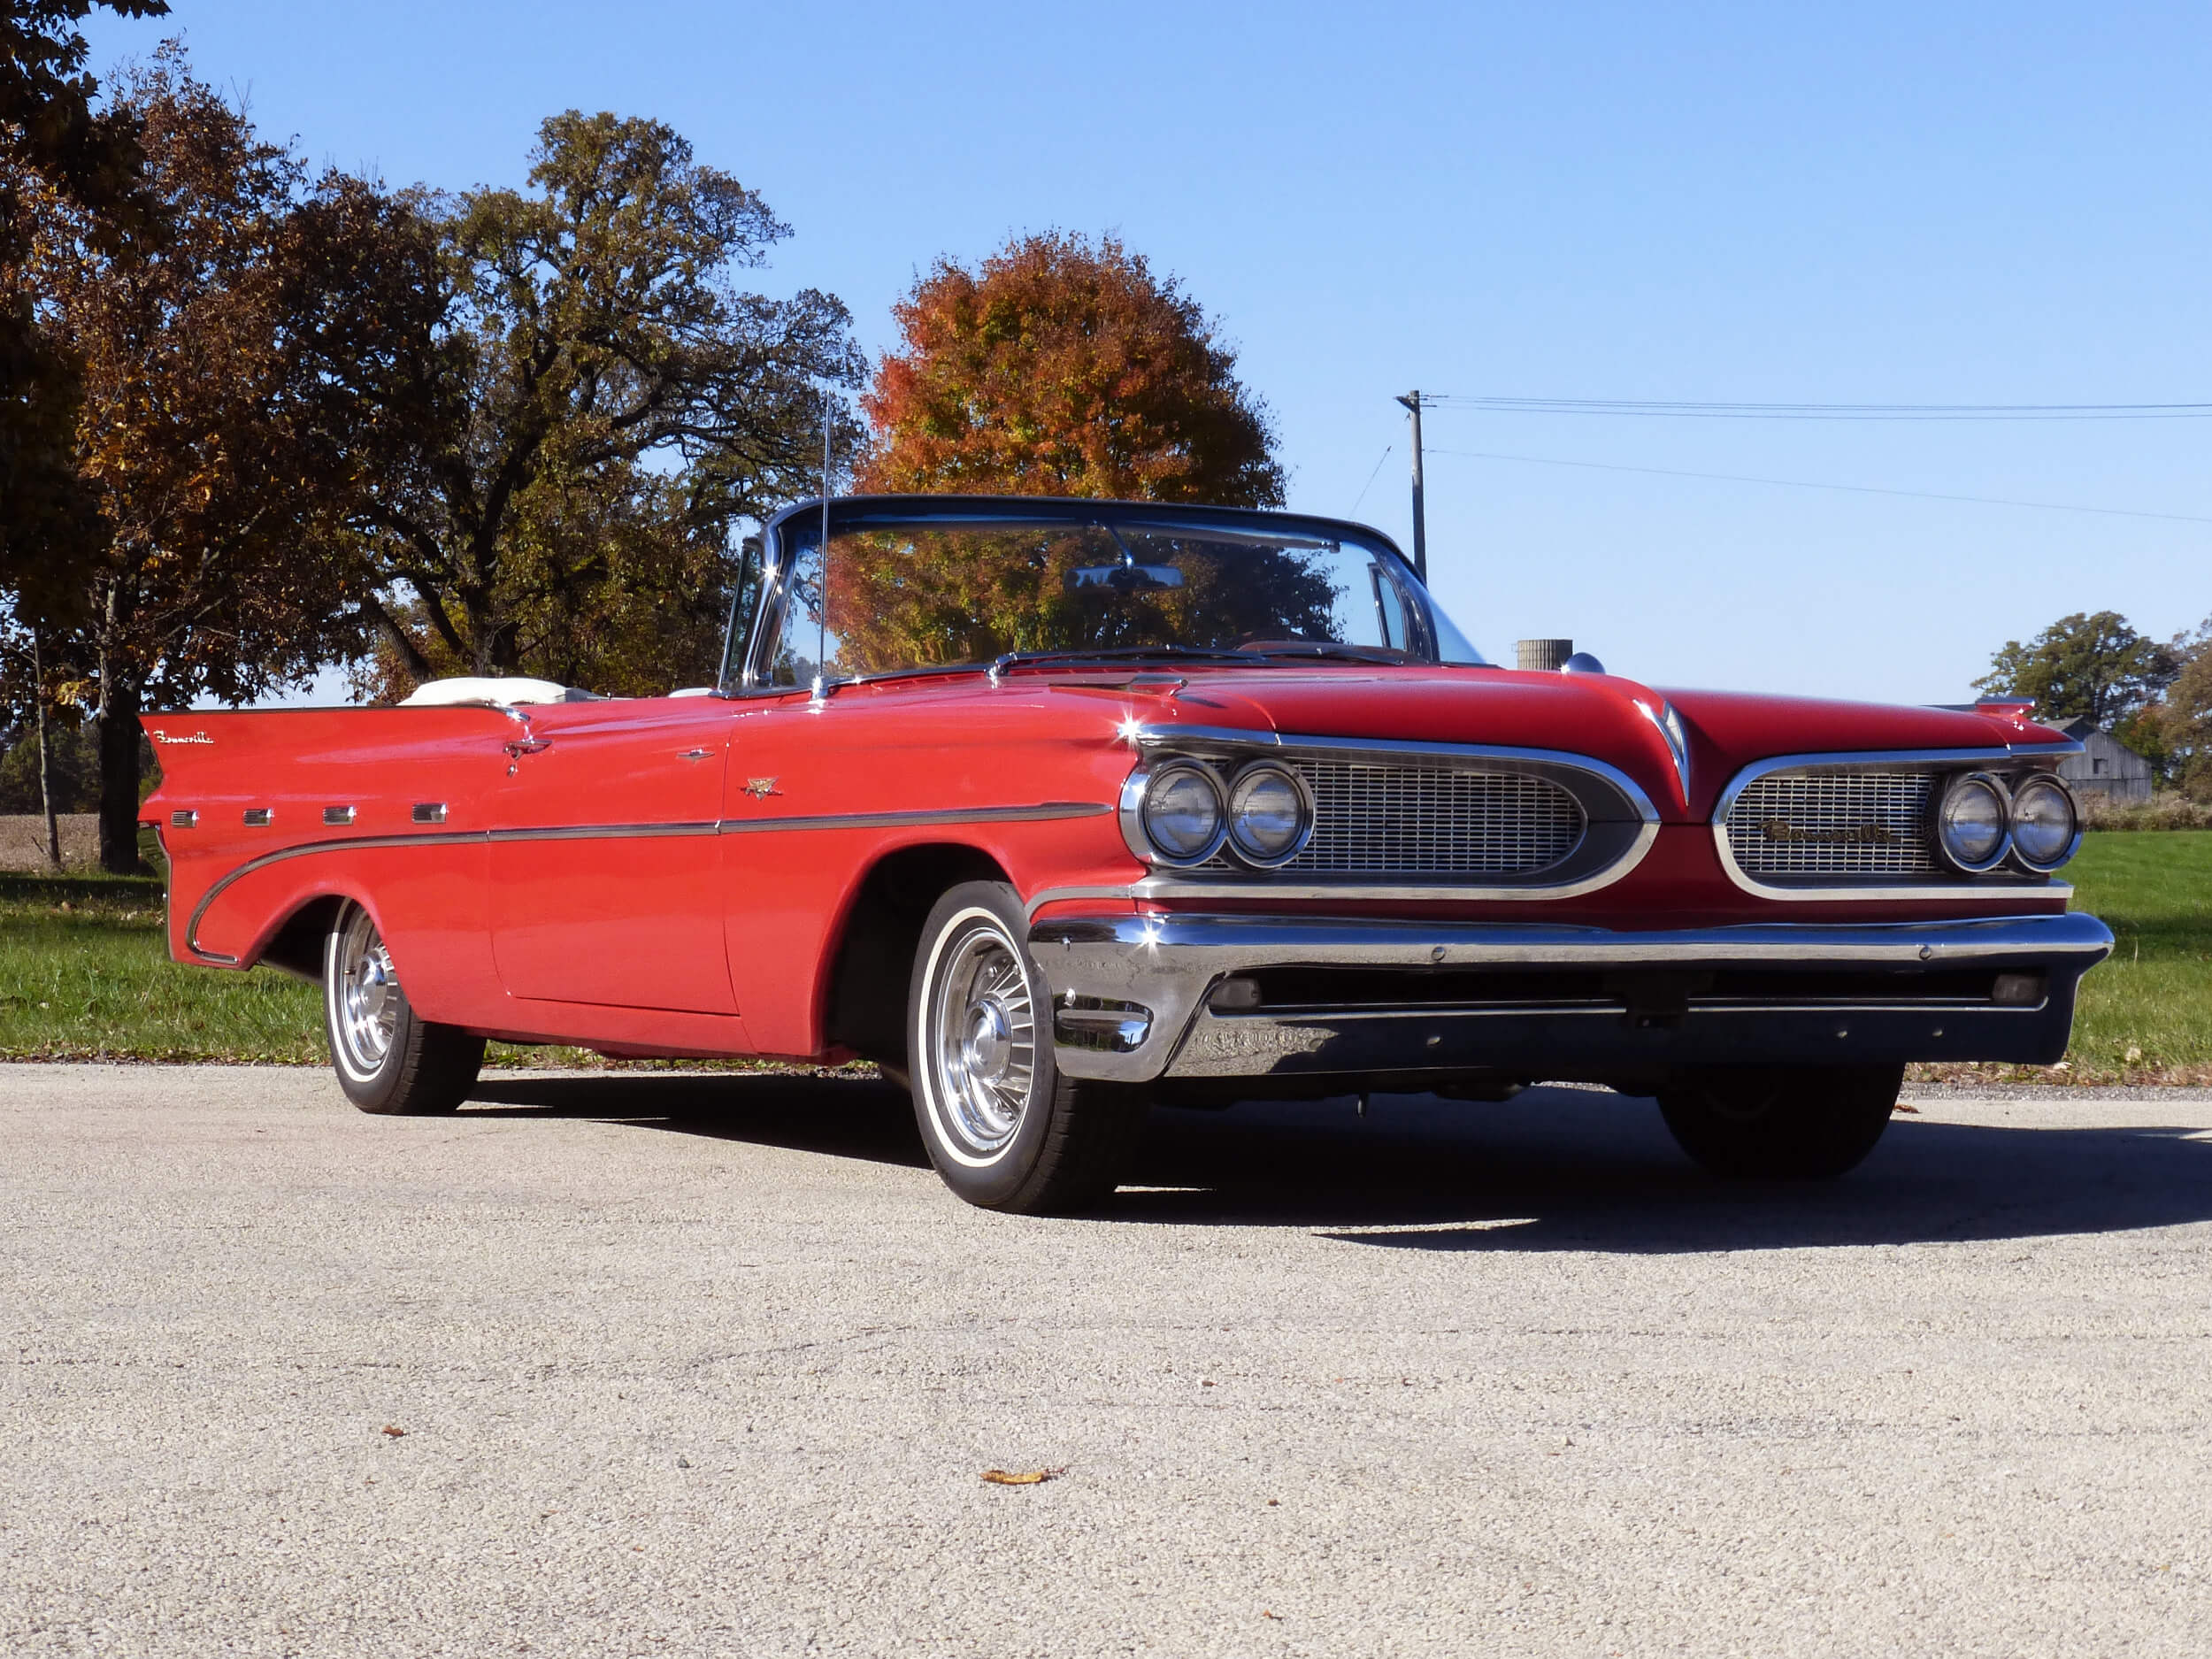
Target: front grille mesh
[[1433, 821], [1834, 823]]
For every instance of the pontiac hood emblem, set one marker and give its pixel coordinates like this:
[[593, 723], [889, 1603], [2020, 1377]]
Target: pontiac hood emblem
[[1778, 829], [760, 788]]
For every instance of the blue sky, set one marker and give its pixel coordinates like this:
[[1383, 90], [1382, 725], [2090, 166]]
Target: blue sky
[[1884, 203]]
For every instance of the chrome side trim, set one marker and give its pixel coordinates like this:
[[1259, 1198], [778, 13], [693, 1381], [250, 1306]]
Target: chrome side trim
[[1885, 761], [603, 832], [362, 842], [1043, 813]]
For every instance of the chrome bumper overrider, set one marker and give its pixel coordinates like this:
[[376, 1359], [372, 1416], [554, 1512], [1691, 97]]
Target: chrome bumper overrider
[[1137, 998]]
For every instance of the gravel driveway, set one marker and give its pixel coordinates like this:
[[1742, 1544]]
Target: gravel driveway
[[692, 1365]]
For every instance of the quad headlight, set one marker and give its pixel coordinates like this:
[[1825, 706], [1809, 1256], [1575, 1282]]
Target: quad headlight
[[1181, 813], [1979, 822], [1270, 815], [2046, 829], [1974, 823]]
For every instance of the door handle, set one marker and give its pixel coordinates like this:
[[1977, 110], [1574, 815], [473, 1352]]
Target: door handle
[[694, 754], [518, 747]]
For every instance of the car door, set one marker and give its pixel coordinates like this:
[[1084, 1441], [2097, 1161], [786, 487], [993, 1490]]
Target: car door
[[604, 860]]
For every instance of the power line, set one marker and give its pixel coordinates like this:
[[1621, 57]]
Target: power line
[[1676, 410], [1371, 477], [1855, 489]]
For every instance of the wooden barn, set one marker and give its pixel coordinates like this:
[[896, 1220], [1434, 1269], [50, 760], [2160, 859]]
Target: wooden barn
[[2106, 766]]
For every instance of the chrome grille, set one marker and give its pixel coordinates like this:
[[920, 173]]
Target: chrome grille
[[1834, 823], [1431, 820]]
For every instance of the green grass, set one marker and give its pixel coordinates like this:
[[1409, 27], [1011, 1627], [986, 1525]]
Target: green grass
[[83, 975], [2153, 997]]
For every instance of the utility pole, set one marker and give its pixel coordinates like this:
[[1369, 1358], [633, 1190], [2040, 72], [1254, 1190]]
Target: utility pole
[[1412, 400], [45, 754]]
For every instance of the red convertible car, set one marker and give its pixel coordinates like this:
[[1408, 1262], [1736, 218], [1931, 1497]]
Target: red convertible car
[[1056, 809]]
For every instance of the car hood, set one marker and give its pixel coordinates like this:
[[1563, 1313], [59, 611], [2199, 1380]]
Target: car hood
[[1603, 716]]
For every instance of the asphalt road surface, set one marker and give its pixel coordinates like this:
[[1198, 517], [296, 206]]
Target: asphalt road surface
[[712, 1365]]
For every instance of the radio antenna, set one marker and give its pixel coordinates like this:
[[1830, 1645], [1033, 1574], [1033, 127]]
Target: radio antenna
[[821, 599]]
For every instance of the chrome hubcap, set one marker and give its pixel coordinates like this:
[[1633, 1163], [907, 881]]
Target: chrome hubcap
[[980, 1030], [368, 994]]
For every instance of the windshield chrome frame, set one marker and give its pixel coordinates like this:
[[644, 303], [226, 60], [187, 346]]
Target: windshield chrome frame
[[746, 674]]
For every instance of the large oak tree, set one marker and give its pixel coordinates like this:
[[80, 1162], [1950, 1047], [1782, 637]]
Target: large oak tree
[[202, 435], [2088, 664], [597, 404], [52, 139]]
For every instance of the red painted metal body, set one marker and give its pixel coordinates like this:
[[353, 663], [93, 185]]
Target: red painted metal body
[[675, 875]]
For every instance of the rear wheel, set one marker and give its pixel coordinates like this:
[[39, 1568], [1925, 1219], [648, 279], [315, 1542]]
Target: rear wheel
[[1781, 1122], [388, 1059], [1003, 1127]]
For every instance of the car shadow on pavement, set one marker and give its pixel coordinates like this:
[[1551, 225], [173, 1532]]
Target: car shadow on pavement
[[1555, 1169], [1582, 1169], [849, 1117]]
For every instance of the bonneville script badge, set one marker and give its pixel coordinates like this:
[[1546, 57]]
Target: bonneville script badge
[[1775, 829]]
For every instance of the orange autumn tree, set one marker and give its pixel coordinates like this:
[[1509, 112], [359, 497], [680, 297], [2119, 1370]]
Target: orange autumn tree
[[1064, 367]]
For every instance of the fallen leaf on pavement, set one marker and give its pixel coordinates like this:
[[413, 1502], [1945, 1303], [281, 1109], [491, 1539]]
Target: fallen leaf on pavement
[[394, 1429], [1028, 1477]]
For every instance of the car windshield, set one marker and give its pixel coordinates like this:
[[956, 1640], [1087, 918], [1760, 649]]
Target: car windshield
[[896, 596]]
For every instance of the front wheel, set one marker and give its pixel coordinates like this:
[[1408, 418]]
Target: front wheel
[[388, 1059], [1781, 1122], [1003, 1127]]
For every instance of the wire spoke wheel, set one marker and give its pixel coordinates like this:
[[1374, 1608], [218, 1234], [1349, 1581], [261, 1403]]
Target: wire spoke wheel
[[1003, 1125], [980, 1029], [389, 1060], [370, 1001]]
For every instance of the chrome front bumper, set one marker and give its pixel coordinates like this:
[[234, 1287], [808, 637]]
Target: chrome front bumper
[[1140, 998]]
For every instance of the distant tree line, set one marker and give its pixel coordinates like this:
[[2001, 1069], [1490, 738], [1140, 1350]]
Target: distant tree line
[[2155, 696]]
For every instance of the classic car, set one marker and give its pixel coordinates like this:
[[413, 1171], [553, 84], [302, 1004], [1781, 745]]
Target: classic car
[[1056, 809]]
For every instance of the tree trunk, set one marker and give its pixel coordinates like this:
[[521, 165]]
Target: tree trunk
[[119, 777], [45, 756], [121, 694]]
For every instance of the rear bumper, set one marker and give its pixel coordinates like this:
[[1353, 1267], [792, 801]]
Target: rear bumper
[[1222, 997]]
